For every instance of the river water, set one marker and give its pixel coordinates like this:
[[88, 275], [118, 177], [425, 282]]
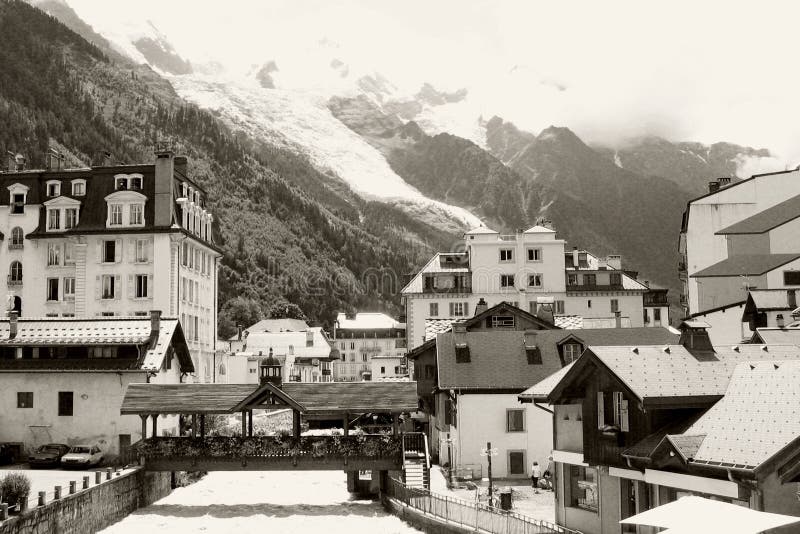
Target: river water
[[269, 501]]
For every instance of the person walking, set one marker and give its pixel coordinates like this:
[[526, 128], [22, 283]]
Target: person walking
[[548, 474], [536, 474]]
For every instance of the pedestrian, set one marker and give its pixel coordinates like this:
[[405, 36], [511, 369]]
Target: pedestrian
[[536, 474], [548, 474]]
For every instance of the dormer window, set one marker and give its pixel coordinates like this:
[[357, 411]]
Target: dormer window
[[78, 188], [462, 353], [54, 219], [63, 213], [135, 183], [533, 355], [70, 218], [115, 215], [572, 352], [18, 194], [53, 188], [125, 209], [136, 214], [121, 183]]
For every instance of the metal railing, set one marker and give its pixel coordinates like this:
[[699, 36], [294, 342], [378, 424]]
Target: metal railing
[[477, 516]]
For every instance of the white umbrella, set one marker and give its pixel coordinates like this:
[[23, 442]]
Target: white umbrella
[[697, 515]]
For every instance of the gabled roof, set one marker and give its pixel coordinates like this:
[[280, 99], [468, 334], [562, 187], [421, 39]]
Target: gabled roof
[[671, 372], [540, 390], [758, 416], [646, 447], [768, 300], [746, 265], [367, 321], [788, 335], [480, 230], [505, 307], [276, 325], [437, 264], [170, 338], [498, 359], [183, 398], [539, 230], [321, 398], [766, 220]]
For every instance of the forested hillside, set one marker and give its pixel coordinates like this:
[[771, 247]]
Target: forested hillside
[[289, 232]]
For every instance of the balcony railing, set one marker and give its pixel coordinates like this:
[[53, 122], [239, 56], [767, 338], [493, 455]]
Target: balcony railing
[[14, 281]]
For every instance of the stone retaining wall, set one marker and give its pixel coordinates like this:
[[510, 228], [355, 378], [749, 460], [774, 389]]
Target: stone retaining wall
[[91, 510], [420, 520]]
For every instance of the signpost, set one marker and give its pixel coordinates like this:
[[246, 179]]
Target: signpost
[[489, 452]]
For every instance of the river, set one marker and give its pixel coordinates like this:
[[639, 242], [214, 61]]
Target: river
[[269, 501]]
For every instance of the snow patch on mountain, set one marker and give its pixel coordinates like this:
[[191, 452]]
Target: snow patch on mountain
[[301, 121]]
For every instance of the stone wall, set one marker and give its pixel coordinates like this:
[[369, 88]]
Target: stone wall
[[94, 509], [418, 519]]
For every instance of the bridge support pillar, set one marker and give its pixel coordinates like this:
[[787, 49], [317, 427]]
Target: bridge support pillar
[[244, 423], [155, 424], [346, 424], [144, 426], [250, 423], [194, 425], [295, 423]]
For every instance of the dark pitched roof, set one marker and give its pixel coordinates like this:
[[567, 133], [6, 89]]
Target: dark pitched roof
[[320, 398], [645, 447], [498, 359], [768, 299], [747, 264], [764, 221], [505, 307], [183, 398]]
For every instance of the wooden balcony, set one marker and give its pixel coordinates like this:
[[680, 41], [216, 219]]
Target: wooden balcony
[[272, 453]]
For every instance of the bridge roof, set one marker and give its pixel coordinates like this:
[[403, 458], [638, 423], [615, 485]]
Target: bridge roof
[[313, 398]]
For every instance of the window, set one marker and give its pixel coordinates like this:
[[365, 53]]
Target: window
[[135, 182], [535, 280], [433, 309], [141, 286], [657, 315], [18, 204], [121, 183], [559, 307], [352, 345], [572, 352], [65, 403], [108, 286], [791, 278], [53, 254], [620, 409], [533, 354], [109, 251], [588, 303], [363, 356], [69, 288], [17, 238], [70, 218], [618, 412], [53, 219], [69, 253], [25, 399], [506, 254], [15, 272], [615, 279], [458, 309], [614, 305], [462, 353], [582, 484], [501, 321], [516, 462], [506, 280], [534, 254], [589, 279], [53, 189], [78, 188], [572, 279], [115, 217], [515, 420], [52, 289], [137, 214], [645, 316]]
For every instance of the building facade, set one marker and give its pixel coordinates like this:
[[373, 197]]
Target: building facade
[[527, 269], [372, 346], [732, 238], [62, 380], [112, 241]]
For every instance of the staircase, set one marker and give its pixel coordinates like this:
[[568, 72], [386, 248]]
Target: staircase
[[416, 461]]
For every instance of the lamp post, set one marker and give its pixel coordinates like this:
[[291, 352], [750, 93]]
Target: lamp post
[[489, 452]]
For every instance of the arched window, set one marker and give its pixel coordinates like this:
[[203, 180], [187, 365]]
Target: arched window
[[17, 237], [15, 272]]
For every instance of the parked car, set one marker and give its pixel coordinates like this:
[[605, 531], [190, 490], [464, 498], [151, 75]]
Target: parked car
[[48, 455], [82, 456]]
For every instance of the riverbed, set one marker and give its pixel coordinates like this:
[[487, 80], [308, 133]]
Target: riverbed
[[269, 501]]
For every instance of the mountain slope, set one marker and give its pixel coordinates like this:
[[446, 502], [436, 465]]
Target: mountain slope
[[288, 231]]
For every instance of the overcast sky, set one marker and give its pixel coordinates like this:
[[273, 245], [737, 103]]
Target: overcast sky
[[705, 71]]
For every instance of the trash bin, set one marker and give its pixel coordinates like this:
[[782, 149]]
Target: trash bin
[[505, 499]]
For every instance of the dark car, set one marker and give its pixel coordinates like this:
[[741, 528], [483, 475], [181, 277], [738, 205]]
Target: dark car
[[48, 455]]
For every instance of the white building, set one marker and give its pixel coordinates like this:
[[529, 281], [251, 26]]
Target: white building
[[740, 236], [371, 346], [62, 380], [526, 270], [112, 241]]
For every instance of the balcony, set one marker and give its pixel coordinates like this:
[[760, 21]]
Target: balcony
[[15, 246], [14, 280]]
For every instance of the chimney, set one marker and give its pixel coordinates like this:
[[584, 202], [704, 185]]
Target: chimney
[[779, 322], [617, 319], [238, 332], [694, 337], [13, 316], [614, 261], [575, 260], [713, 186], [544, 311], [791, 298], [155, 324], [726, 180], [106, 158], [481, 306], [180, 165], [164, 177], [19, 162]]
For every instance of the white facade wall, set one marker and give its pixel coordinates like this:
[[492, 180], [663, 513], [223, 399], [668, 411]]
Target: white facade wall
[[784, 238], [730, 205], [726, 325], [482, 418], [663, 312], [358, 355], [598, 304], [97, 398]]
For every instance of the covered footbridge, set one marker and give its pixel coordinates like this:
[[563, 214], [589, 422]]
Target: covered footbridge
[[345, 402]]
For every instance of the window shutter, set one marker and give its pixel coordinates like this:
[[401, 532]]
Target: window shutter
[[118, 251], [149, 285], [615, 406], [98, 283], [149, 247], [451, 308], [131, 294], [132, 250], [117, 286], [601, 416], [99, 251], [623, 415], [466, 309]]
